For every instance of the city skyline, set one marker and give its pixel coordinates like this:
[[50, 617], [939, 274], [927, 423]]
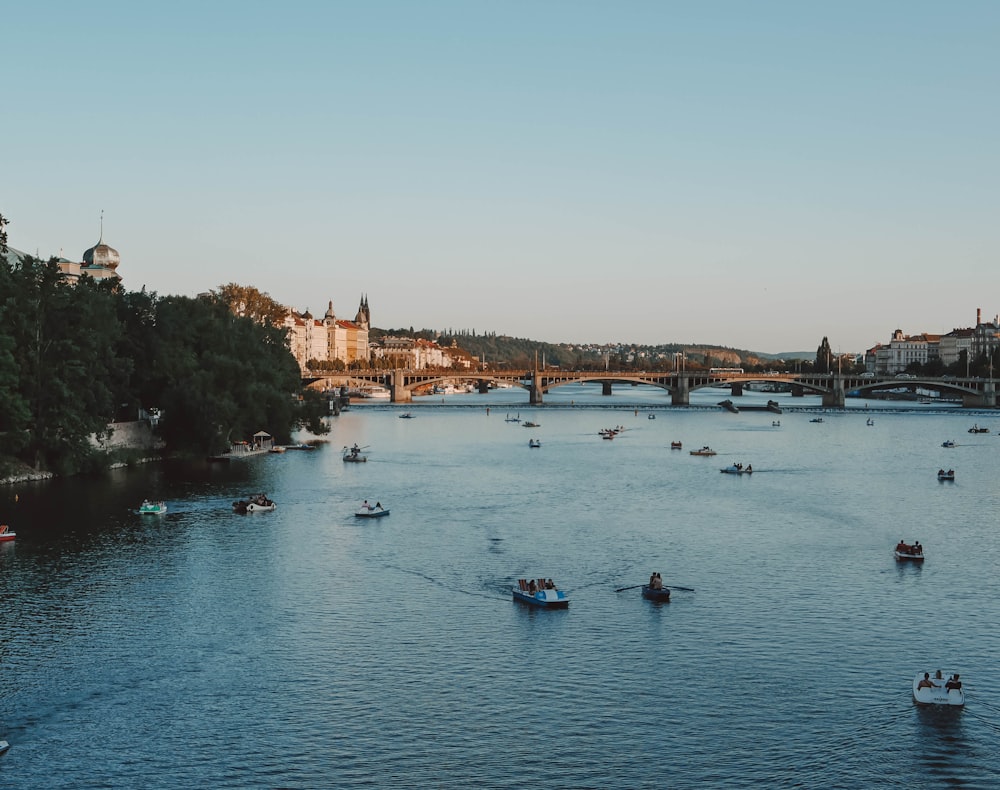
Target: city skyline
[[754, 176]]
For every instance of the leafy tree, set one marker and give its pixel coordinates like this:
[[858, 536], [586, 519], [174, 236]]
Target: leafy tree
[[64, 342], [247, 301], [4, 222]]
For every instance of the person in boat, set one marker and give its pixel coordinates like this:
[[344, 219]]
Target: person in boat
[[927, 683], [938, 675], [749, 467], [953, 682], [902, 548], [550, 585], [917, 548], [378, 506], [365, 505], [655, 582], [532, 587]]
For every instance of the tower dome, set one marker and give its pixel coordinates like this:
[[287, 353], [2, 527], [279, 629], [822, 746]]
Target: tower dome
[[102, 255]]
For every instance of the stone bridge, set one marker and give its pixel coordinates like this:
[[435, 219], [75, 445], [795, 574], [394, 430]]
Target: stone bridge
[[974, 393]]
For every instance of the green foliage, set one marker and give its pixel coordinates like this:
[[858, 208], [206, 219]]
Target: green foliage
[[74, 356]]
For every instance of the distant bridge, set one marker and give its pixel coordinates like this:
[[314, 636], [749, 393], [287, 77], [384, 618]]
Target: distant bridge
[[975, 393]]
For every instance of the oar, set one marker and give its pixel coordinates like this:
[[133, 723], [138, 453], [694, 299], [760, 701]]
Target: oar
[[634, 586], [675, 587]]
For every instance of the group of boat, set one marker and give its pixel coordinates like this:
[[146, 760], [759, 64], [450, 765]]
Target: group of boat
[[254, 503]]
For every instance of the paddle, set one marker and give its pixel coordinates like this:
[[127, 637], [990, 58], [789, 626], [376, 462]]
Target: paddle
[[671, 586]]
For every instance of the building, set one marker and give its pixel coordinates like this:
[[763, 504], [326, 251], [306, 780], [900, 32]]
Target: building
[[100, 262], [329, 339]]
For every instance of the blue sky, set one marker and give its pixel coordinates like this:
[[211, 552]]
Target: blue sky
[[751, 174]]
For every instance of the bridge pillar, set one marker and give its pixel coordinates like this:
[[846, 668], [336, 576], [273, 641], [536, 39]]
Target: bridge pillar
[[681, 396], [483, 386], [798, 391], [987, 399], [397, 392], [605, 387], [535, 390], [835, 398], [736, 389]]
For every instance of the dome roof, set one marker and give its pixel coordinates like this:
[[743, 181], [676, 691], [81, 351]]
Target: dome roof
[[102, 255]]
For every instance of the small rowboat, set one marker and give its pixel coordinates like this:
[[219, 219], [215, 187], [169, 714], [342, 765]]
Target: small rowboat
[[653, 594], [735, 469], [947, 443], [6, 534], [534, 443], [939, 693], [676, 445], [372, 512], [943, 475], [541, 593], [905, 551], [254, 504], [354, 457], [706, 450]]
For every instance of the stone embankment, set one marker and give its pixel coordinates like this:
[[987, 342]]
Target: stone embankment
[[136, 435]]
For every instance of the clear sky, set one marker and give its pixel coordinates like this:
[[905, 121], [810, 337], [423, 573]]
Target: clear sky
[[751, 174]]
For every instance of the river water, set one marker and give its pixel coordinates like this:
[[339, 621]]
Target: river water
[[306, 648]]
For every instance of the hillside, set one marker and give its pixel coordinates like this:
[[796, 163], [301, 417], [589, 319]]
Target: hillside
[[514, 352]]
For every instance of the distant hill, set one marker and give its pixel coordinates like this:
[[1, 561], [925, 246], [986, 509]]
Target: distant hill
[[515, 352]]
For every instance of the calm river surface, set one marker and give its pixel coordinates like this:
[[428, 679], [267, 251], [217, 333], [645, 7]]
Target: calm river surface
[[305, 648]]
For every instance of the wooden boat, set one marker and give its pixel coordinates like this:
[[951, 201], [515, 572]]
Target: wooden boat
[[906, 551], [6, 534], [939, 693], [371, 511], [541, 593], [148, 508], [534, 442], [706, 450], [254, 504], [676, 445], [653, 594], [943, 475], [737, 469]]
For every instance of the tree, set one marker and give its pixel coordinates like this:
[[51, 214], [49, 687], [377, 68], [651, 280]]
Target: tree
[[64, 347], [247, 301], [4, 222]]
